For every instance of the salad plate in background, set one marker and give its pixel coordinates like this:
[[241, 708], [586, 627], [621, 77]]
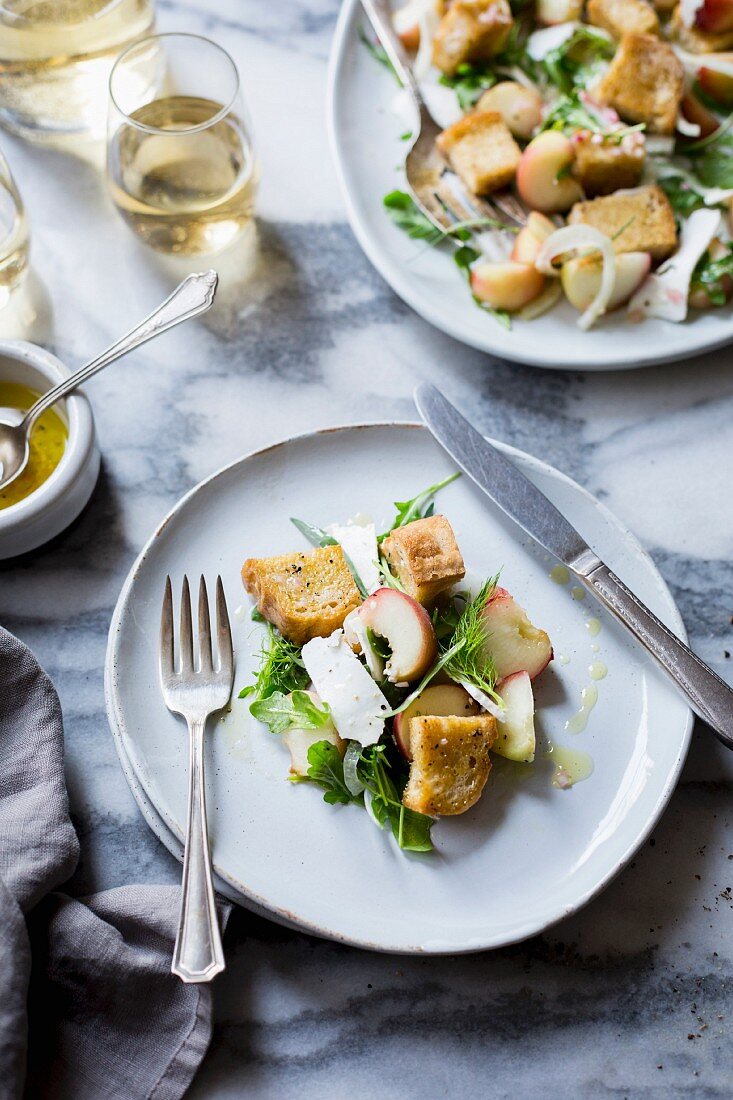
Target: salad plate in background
[[370, 122], [530, 852]]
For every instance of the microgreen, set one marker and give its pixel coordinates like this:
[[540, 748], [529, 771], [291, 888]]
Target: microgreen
[[281, 668], [294, 711], [419, 507]]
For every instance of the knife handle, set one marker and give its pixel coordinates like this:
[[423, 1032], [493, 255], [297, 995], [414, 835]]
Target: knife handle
[[709, 696]]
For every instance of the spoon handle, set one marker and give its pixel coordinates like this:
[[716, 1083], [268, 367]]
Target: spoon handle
[[190, 298]]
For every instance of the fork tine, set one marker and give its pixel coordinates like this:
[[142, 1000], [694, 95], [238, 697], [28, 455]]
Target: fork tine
[[186, 640], [510, 207], [204, 628], [223, 632], [166, 633]]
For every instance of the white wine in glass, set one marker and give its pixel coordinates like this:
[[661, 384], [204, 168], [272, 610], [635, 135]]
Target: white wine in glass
[[55, 61], [181, 167]]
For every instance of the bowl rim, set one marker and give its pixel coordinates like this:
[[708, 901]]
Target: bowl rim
[[79, 447]]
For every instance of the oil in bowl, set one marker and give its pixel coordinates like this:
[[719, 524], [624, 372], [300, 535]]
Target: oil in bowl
[[47, 443]]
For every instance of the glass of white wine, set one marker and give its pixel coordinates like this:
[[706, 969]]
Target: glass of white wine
[[14, 239], [55, 61], [181, 165]]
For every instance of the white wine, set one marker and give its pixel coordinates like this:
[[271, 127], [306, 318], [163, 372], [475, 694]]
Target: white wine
[[182, 174], [55, 61]]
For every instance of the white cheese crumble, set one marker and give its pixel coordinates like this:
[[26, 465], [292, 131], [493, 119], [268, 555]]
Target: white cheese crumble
[[342, 681]]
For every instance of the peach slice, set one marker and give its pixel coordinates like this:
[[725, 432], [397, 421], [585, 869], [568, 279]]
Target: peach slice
[[719, 86], [508, 286], [511, 640], [552, 12], [300, 740], [515, 736], [520, 107], [439, 701], [408, 630], [694, 111], [531, 237], [715, 16], [542, 173], [581, 278]]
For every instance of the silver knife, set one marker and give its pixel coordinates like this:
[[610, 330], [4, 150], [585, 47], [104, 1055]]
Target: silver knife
[[523, 502]]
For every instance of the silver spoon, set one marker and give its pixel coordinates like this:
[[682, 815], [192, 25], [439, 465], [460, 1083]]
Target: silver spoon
[[193, 296]]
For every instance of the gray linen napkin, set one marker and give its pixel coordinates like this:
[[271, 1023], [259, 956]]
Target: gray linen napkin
[[88, 1006]]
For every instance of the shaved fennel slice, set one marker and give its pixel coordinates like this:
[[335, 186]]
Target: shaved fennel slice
[[664, 293], [484, 701], [689, 129], [569, 239]]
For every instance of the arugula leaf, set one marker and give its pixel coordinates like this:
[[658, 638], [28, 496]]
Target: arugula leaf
[[574, 63], [294, 711], [569, 113], [378, 644], [683, 198], [318, 537], [714, 166], [281, 668], [469, 82], [709, 274], [411, 830], [326, 768], [419, 507], [378, 52], [447, 614], [407, 215], [470, 661]]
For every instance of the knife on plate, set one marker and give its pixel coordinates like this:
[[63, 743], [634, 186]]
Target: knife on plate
[[502, 481]]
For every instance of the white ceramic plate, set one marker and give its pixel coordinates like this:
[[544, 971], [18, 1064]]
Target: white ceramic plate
[[365, 139], [528, 854]]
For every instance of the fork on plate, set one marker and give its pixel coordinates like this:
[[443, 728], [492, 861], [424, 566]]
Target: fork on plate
[[437, 190], [194, 688]]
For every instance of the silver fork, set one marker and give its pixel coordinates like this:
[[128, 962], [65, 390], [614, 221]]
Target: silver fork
[[195, 691], [425, 168]]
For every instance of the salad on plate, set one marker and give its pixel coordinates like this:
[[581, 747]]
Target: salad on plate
[[390, 678], [610, 120]]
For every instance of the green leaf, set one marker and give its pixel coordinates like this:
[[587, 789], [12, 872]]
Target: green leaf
[[471, 660], [469, 82], [576, 62], [294, 711], [407, 215], [709, 274], [416, 508], [378, 52], [442, 662], [411, 830], [683, 198], [281, 668], [447, 614], [326, 768], [714, 168]]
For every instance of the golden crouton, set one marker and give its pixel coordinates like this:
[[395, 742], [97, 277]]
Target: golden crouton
[[471, 30], [481, 149], [620, 17], [637, 221], [697, 41], [304, 595], [645, 83], [450, 763], [425, 558], [604, 164]]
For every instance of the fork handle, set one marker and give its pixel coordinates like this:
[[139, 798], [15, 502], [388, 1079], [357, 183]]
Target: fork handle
[[198, 955], [380, 18]]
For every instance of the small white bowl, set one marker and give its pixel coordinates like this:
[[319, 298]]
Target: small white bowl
[[59, 500]]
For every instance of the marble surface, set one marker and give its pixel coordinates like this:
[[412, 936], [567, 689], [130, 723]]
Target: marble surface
[[630, 998]]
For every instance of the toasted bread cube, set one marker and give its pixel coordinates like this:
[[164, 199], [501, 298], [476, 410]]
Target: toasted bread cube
[[645, 82], [425, 558], [640, 220], [481, 149], [603, 165], [304, 595], [471, 30], [450, 763], [620, 17], [697, 41]]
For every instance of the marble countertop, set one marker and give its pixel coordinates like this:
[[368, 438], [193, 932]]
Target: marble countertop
[[630, 998]]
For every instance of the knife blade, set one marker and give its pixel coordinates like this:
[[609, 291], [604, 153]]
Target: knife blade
[[505, 484]]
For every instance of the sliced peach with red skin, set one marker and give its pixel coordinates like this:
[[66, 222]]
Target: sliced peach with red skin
[[581, 278], [407, 629], [438, 700], [521, 108], [543, 179], [508, 286], [715, 16], [531, 237], [512, 641], [717, 85], [515, 735], [698, 114]]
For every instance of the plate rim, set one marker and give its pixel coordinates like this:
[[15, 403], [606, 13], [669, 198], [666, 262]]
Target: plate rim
[[261, 905], [405, 289]]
